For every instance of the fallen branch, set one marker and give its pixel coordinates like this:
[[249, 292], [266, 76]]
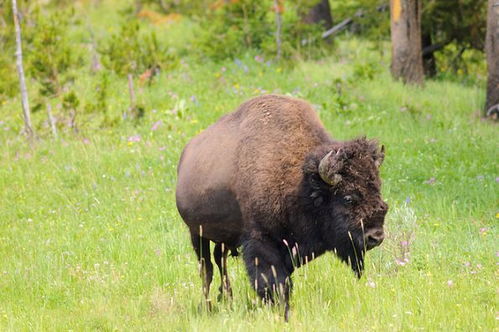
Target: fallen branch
[[337, 28], [346, 22], [433, 48], [342, 26]]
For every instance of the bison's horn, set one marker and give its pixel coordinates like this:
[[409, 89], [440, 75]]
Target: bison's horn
[[329, 167]]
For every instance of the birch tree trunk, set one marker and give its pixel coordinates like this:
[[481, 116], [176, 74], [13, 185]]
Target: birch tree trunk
[[279, 8], [407, 60], [28, 129], [492, 49]]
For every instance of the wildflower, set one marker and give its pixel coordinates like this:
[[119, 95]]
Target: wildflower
[[86, 141], [371, 284], [483, 231], [134, 138], [259, 58], [156, 125], [407, 200], [162, 148], [450, 283], [194, 100], [467, 264], [404, 243], [402, 261], [431, 180]]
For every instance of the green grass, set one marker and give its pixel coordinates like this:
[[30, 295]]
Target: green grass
[[90, 238]]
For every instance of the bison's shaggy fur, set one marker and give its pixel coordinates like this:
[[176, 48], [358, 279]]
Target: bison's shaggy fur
[[269, 178]]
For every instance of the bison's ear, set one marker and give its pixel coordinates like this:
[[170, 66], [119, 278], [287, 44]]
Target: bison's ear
[[331, 165], [379, 156]]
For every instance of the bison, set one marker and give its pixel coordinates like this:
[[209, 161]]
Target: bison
[[269, 178]]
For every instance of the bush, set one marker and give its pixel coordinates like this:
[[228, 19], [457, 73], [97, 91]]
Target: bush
[[236, 27], [132, 52]]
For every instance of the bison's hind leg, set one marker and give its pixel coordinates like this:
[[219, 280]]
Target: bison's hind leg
[[220, 254], [202, 248]]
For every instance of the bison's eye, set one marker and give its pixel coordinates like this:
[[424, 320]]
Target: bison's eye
[[348, 199]]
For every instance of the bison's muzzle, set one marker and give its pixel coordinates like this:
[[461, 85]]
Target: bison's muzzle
[[373, 238]]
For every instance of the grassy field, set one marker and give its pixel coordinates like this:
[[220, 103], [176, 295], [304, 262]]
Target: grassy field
[[90, 238]]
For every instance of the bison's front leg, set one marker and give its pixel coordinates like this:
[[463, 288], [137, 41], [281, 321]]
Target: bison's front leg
[[265, 263]]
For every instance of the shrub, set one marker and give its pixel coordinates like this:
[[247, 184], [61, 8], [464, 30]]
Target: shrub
[[132, 52], [236, 27]]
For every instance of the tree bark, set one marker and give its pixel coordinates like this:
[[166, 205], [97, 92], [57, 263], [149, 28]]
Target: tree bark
[[407, 59], [28, 129], [133, 100], [279, 8], [51, 120], [492, 49], [320, 13]]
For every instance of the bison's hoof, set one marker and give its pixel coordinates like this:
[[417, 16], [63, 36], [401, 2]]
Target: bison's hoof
[[224, 294], [205, 306]]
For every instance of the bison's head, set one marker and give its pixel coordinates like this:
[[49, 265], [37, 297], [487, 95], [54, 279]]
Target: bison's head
[[344, 197]]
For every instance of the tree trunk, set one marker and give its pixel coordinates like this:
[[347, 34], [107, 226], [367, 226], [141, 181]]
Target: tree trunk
[[51, 120], [28, 129], [492, 49], [279, 8], [320, 13], [407, 59], [133, 100], [429, 62]]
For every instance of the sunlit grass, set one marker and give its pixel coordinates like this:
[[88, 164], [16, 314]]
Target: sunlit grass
[[90, 237]]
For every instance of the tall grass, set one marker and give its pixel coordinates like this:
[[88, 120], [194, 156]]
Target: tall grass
[[90, 238]]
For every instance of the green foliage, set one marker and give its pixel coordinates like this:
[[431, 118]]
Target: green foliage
[[184, 7], [461, 26], [9, 82], [70, 101], [460, 21], [131, 51], [371, 17], [50, 56], [99, 103], [239, 26], [365, 71]]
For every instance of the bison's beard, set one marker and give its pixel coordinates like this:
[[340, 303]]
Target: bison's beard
[[349, 247]]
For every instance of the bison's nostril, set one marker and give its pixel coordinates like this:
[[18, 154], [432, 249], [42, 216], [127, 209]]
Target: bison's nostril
[[374, 239]]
